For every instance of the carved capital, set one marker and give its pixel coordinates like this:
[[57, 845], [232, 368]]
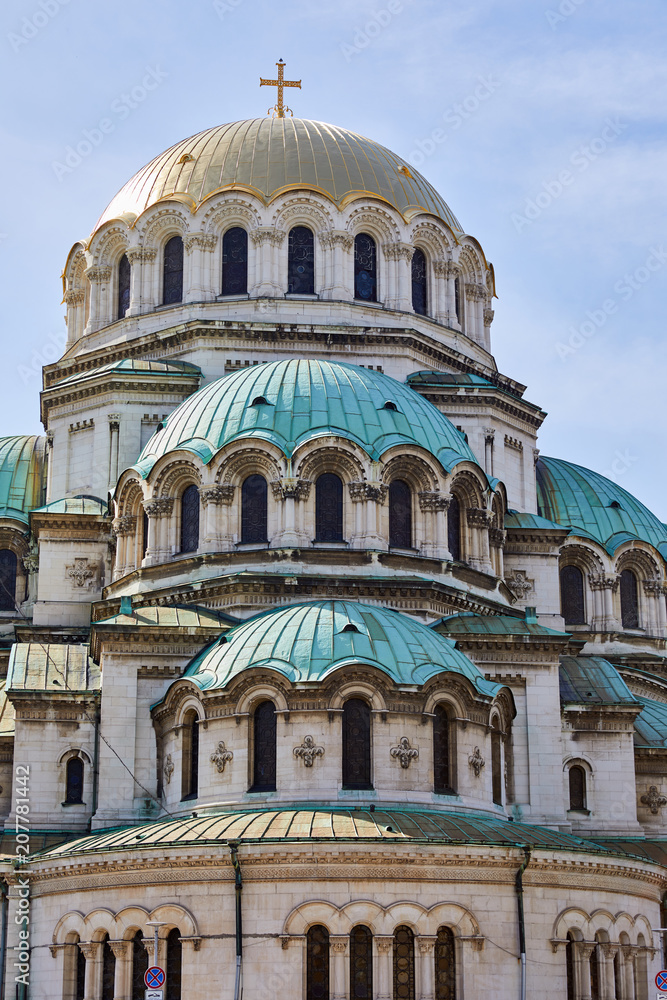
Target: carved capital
[[221, 495], [201, 241], [331, 238], [74, 296], [497, 537], [479, 518], [426, 944], [398, 251], [267, 234], [99, 274], [339, 943], [434, 500], [159, 506], [141, 255], [291, 489], [476, 293], [653, 587], [600, 581], [384, 944], [368, 491], [30, 562], [441, 268], [125, 525], [89, 949]]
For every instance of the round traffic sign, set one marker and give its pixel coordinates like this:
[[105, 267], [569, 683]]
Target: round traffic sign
[[661, 980], [154, 978]]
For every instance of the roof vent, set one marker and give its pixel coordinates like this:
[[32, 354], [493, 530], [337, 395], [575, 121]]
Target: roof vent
[[615, 504], [531, 616], [260, 401], [350, 627], [186, 158], [126, 606], [390, 405]]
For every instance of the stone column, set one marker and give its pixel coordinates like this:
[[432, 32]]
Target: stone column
[[368, 498], [384, 967], [434, 506], [341, 966], [338, 270], [453, 272], [199, 283], [100, 294], [471, 326], [497, 537], [126, 560], [159, 512], [92, 952], [114, 435], [479, 522], [488, 320], [75, 299], [290, 492], [655, 605], [585, 950], [426, 946], [607, 981], [628, 971], [489, 435], [606, 586], [266, 239], [123, 954], [439, 306], [216, 502], [398, 295], [142, 296]]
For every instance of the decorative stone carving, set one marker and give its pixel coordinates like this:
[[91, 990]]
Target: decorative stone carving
[[653, 587], [433, 500], [384, 944], [82, 573], [168, 769], [476, 762], [426, 944], [308, 751], [368, 491], [141, 255], [478, 518], [221, 756], [600, 581], [125, 525], [89, 949], [441, 268], [336, 237], [398, 251], [159, 506], [519, 584], [497, 537], [99, 273], [653, 800], [267, 234], [30, 562], [292, 489], [204, 241], [221, 495], [476, 293], [404, 752], [488, 317], [74, 296]]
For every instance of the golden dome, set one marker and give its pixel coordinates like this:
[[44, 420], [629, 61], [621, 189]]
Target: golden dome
[[267, 156]]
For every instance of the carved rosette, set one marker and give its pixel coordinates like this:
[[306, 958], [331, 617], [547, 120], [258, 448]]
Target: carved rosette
[[404, 753], [159, 506], [267, 234], [202, 241], [125, 525], [476, 762], [336, 237], [653, 799], [434, 500], [221, 756], [291, 489], [221, 495], [308, 751], [99, 274], [368, 491], [141, 255], [168, 768]]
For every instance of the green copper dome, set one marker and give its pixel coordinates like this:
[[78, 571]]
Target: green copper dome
[[306, 642], [595, 507], [21, 475], [290, 402]]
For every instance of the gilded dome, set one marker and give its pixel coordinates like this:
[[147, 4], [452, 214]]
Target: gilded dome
[[267, 156]]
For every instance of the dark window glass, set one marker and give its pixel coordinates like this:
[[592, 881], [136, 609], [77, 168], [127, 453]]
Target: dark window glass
[[404, 964], [235, 262], [497, 768], [124, 275], [457, 299], [264, 763], [190, 756], [595, 975], [8, 568], [577, 780], [356, 744], [173, 970], [144, 535], [139, 966], [317, 963], [365, 268], [80, 975], [190, 520], [361, 964], [419, 299], [254, 509], [569, 967], [618, 987], [328, 508], [629, 600], [454, 528], [572, 596], [301, 261], [172, 271], [74, 790], [442, 771], [400, 515], [445, 965], [108, 970]]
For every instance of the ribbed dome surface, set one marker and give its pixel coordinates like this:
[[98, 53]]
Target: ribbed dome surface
[[267, 156], [306, 642], [21, 475], [306, 400]]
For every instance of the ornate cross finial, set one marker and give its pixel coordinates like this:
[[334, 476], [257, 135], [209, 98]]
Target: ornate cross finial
[[308, 751], [221, 756], [279, 109], [404, 752], [654, 800]]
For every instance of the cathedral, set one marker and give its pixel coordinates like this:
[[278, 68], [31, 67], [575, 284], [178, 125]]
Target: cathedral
[[319, 681]]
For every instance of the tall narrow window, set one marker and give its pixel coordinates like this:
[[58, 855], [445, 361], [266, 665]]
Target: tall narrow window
[[577, 782], [8, 570], [454, 528], [235, 262], [108, 970], [569, 967], [264, 748], [190, 756], [419, 294], [144, 535], [74, 781], [174, 962], [361, 963], [317, 963], [328, 508], [443, 779], [595, 974], [124, 278], [618, 978], [356, 744], [497, 767], [404, 964], [629, 600], [190, 519], [445, 965], [301, 261], [572, 595], [457, 299], [400, 515], [365, 268], [139, 966], [254, 509], [172, 271], [80, 974]]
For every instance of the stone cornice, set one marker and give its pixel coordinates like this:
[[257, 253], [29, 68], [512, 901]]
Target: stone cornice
[[114, 382]]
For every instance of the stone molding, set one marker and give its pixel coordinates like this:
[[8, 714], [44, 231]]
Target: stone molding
[[267, 234], [331, 238], [159, 506], [203, 241], [434, 500], [141, 255], [398, 251], [368, 491], [99, 273], [220, 495]]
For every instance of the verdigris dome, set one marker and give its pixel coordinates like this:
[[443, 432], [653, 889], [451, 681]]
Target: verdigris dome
[[306, 642], [305, 400], [268, 156], [21, 475]]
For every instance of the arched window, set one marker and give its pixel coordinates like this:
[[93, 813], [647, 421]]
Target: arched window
[[74, 781], [139, 966], [569, 967], [594, 965], [404, 964], [577, 782], [629, 600], [235, 262], [496, 766], [124, 277], [190, 756], [419, 292], [254, 509], [301, 261], [8, 570], [80, 974], [365, 268], [174, 962], [317, 963], [328, 508], [190, 519], [445, 965], [108, 970], [356, 744], [264, 748], [361, 963], [400, 515], [454, 528], [172, 271], [443, 778], [572, 605]]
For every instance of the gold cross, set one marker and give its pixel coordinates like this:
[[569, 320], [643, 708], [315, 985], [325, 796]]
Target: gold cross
[[280, 108]]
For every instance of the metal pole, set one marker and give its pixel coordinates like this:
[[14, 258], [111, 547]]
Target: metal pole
[[522, 924]]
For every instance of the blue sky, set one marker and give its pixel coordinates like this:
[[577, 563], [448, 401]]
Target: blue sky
[[541, 123]]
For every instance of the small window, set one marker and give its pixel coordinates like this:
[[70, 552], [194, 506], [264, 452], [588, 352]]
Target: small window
[[404, 964], [400, 515], [254, 516], [264, 748], [190, 756], [190, 519], [356, 744], [317, 963], [124, 280], [365, 268], [389, 405], [443, 780], [419, 298], [139, 966], [260, 401], [235, 262], [457, 299], [629, 600], [350, 627], [577, 783], [445, 965], [572, 596], [361, 963], [74, 779], [329, 508], [172, 271], [301, 261], [454, 528], [8, 570], [174, 965]]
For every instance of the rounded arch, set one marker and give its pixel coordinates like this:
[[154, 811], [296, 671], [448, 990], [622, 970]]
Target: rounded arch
[[419, 469], [343, 458], [157, 226], [129, 920], [72, 922], [357, 689], [241, 459], [381, 920], [584, 557], [302, 211], [73, 752], [255, 694], [109, 243], [175, 915], [174, 473], [129, 495], [227, 211], [469, 487], [377, 221], [449, 700], [433, 239], [472, 262], [640, 560], [99, 922], [190, 703]]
